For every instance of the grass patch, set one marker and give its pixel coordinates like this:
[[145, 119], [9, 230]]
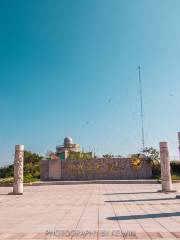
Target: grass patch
[[8, 180], [175, 176]]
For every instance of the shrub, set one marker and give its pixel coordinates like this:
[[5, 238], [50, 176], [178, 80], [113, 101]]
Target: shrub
[[175, 170], [31, 168]]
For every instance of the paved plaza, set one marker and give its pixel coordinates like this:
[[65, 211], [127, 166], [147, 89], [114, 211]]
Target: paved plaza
[[90, 211]]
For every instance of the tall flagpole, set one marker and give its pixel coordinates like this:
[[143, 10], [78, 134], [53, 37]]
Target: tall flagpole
[[141, 107]]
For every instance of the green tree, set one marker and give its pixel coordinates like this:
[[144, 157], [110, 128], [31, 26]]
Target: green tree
[[108, 155], [154, 159], [152, 154], [31, 167], [6, 171]]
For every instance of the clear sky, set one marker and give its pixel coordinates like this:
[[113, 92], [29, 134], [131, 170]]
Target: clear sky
[[69, 68]]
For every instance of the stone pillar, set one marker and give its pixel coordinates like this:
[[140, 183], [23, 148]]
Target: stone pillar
[[178, 196], [18, 170], [165, 168], [179, 143]]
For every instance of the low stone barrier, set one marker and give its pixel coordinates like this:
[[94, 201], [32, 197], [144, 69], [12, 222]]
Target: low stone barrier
[[95, 169]]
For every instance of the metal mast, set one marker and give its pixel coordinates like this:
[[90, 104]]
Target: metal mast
[[141, 107]]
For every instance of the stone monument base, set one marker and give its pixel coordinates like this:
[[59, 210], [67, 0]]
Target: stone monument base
[[169, 191], [12, 193]]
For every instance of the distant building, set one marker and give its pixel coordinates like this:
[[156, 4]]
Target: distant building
[[68, 146], [68, 162]]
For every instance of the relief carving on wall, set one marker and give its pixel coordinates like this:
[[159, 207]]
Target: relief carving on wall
[[18, 167], [136, 162]]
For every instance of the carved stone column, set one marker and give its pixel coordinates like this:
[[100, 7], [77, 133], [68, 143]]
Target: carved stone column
[[179, 143], [18, 169], [178, 196], [165, 168]]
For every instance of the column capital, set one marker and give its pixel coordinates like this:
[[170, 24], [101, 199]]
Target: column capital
[[19, 147], [163, 144]]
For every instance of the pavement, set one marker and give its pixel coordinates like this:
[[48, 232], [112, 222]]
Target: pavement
[[90, 211]]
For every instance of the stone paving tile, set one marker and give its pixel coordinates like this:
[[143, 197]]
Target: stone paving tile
[[167, 235], [142, 235], [6, 236], [154, 235], [29, 236], [18, 236], [139, 235], [176, 234], [94, 207]]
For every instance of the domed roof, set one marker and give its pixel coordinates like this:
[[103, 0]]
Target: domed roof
[[67, 141]]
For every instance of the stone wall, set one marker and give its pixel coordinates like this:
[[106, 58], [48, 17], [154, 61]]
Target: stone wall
[[55, 169], [102, 169], [44, 170]]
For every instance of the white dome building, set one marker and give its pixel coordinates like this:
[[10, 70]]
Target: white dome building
[[63, 150], [68, 141]]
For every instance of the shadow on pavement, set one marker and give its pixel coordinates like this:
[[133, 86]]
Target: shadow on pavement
[[140, 200], [145, 216], [128, 193]]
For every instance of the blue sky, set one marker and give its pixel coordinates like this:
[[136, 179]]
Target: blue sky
[[69, 68]]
